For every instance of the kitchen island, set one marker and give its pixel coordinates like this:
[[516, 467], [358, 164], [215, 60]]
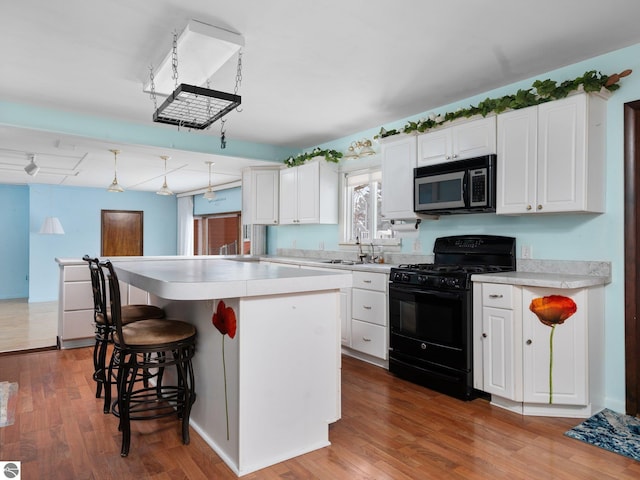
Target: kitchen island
[[269, 393]]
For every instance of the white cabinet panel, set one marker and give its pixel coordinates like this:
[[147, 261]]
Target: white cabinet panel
[[369, 306], [469, 139], [78, 324], [369, 338], [78, 295], [398, 161], [309, 194], [551, 157]]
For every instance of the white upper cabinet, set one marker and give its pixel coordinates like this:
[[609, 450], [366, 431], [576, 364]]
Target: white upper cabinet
[[398, 162], [472, 138], [551, 157], [260, 196], [309, 194]]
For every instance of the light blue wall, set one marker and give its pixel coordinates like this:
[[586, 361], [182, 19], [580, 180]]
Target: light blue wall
[[79, 212], [227, 200], [14, 241], [561, 237]]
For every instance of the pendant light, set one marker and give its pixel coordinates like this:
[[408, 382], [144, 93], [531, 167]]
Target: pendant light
[[165, 190], [209, 194], [115, 187]]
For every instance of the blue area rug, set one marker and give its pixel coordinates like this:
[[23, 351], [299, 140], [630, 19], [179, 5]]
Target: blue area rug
[[612, 431]]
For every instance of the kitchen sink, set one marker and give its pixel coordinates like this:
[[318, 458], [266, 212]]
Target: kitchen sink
[[342, 262]]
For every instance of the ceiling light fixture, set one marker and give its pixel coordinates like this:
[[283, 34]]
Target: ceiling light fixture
[[165, 190], [202, 50], [115, 187], [361, 148], [32, 169], [209, 194]]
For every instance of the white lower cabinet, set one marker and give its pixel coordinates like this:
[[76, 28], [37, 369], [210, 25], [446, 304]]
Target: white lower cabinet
[[534, 368], [75, 304], [369, 324]]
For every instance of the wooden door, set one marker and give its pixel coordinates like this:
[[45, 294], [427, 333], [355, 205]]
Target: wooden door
[[122, 233], [632, 255]]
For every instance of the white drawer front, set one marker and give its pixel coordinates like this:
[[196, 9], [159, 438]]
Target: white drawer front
[[497, 295], [78, 324], [78, 296], [369, 306], [370, 281], [369, 339], [76, 273]]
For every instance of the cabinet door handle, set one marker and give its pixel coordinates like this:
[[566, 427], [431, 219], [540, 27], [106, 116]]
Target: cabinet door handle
[[366, 339], [529, 342], [366, 281], [539, 207], [366, 307], [528, 207], [484, 335], [495, 295]]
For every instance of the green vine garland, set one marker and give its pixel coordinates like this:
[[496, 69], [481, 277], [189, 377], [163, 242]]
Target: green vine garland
[[545, 91], [329, 155]]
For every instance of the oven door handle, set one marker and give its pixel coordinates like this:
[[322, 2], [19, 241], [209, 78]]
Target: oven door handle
[[420, 291]]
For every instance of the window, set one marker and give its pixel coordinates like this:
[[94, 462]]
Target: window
[[363, 218]]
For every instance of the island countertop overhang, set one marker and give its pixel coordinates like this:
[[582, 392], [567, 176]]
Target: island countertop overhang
[[207, 278]]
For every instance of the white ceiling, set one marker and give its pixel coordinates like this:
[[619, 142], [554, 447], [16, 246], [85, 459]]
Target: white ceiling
[[312, 71]]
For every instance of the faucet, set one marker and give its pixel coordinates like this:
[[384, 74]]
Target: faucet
[[361, 255], [373, 253]]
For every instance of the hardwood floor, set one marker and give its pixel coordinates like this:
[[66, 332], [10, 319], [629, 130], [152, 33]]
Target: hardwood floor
[[390, 429], [26, 326]]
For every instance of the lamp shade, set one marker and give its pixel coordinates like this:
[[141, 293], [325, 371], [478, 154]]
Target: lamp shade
[[51, 226]]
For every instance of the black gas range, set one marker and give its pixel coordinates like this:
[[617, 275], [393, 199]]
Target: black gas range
[[431, 311]]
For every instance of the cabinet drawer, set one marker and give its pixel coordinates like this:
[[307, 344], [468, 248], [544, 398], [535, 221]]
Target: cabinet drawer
[[497, 295], [370, 281], [77, 324], [76, 273], [78, 296], [369, 339], [369, 306]]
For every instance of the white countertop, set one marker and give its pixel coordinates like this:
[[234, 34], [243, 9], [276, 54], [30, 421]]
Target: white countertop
[[541, 279], [320, 263], [206, 278]]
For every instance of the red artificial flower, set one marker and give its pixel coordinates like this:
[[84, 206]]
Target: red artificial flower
[[224, 319], [554, 309]]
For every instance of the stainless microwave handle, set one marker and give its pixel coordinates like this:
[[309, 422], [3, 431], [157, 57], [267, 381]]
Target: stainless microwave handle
[[465, 188]]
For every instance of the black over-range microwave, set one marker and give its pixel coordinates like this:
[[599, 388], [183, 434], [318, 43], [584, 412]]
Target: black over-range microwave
[[462, 186]]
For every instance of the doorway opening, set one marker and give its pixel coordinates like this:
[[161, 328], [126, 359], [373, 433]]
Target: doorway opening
[[220, 234]]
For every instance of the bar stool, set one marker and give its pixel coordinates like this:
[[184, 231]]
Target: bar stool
[[145, 349], [104, 327]]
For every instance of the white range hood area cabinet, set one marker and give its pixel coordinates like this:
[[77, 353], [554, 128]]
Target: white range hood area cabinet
[[468, 139], [551, 157], [402, 153]]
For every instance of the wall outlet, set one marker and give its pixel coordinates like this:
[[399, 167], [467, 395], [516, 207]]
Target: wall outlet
[[526, 251], [417, 246], [293, 244], [321, 246]]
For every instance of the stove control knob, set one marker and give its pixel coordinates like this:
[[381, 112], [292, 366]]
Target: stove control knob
[[422, 279], [405, 277], [451, 282]]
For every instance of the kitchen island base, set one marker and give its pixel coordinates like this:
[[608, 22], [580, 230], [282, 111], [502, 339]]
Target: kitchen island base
[[269, 393]]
